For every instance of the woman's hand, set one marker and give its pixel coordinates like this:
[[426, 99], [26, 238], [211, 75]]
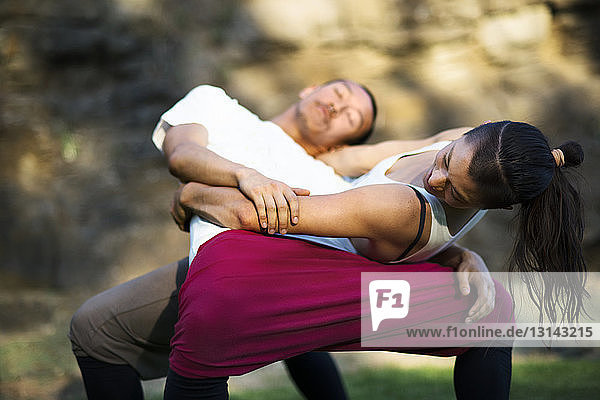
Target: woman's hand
[[472, 269]]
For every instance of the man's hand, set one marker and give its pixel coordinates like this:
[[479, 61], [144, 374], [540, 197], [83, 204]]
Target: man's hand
[[472, 269], [276, 203], [181, 215]]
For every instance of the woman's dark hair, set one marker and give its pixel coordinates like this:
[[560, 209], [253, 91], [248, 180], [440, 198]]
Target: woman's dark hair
[[513, 164]]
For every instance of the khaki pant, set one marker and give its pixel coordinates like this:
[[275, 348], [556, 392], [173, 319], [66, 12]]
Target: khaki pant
[[132, 323]]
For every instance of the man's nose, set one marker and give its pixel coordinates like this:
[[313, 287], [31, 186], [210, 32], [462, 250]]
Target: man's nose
[[437, 180], [332, 110]]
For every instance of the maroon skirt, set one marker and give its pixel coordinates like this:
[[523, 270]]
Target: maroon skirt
[[250, 300]]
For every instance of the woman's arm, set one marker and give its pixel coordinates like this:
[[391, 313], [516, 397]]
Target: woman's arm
[[388, 215], [360, 159]]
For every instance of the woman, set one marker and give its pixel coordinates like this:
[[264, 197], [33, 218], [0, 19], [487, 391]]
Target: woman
[[495, 165]]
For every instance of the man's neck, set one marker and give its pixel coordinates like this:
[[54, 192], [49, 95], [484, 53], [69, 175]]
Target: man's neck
[[288, 122]]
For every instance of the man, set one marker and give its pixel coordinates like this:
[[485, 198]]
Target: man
[[123, 334], [247, 150]]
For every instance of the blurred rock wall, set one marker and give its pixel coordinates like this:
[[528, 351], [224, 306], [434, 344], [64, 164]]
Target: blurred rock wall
[[84, 195]]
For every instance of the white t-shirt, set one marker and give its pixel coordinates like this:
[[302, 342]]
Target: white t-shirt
[[240, 136]]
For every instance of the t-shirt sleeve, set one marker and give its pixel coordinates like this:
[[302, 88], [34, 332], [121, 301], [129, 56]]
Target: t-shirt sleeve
[[158, 135], [205, 105]]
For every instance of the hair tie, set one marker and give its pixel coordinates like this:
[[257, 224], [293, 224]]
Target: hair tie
[[559, 157]]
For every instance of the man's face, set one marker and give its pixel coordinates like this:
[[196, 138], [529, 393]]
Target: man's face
[[333, 114]]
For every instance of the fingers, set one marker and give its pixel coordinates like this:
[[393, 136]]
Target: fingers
[[463, 282], [268, 208], [480, 311], [486, 296], [278, 208], [301, 192], [282, 212], [292, 199], [473, 270], [271, 210], [292, 202], [180, 216], [276, 203], [286, 208], [177, 212], [294, 209], [182, 224], [259, 204]]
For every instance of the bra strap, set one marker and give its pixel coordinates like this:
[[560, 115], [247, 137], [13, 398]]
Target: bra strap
[[421, 225]]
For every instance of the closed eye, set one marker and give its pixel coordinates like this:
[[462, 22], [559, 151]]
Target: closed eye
[[353, 117], [454, 194], [350, 120]]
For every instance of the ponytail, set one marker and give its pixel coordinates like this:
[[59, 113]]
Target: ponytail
[[549, 239], [513, 164]]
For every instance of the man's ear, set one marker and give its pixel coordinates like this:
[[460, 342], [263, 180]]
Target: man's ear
[[307, 90]]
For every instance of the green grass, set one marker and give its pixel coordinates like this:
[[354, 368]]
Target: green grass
[[557, 379], [36, 359], [540, 379]]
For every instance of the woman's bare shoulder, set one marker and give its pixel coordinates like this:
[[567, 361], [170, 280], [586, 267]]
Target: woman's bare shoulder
[[397, 212]]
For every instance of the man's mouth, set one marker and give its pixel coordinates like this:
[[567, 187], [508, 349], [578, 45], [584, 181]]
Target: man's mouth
[[324, 111]]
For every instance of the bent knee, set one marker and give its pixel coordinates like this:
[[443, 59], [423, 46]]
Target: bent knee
[[87, 323], [81, 329]]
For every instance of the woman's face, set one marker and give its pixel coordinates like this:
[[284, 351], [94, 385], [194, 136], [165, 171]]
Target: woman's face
[[448, 178]]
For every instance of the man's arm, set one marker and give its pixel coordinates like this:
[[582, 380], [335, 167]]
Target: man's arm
[[190, 161], [360, 159]]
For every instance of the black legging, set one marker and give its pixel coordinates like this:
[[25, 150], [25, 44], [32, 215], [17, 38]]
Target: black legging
[[483, 373], [109, 381], [315, 375], [479, 373]]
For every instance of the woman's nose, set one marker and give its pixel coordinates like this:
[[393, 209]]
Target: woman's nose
[[437, 180]]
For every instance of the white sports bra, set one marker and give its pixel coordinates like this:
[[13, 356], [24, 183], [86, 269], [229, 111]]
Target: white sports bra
[[439, 237]]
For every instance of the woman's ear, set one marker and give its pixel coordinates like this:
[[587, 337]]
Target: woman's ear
[[306, 91]]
